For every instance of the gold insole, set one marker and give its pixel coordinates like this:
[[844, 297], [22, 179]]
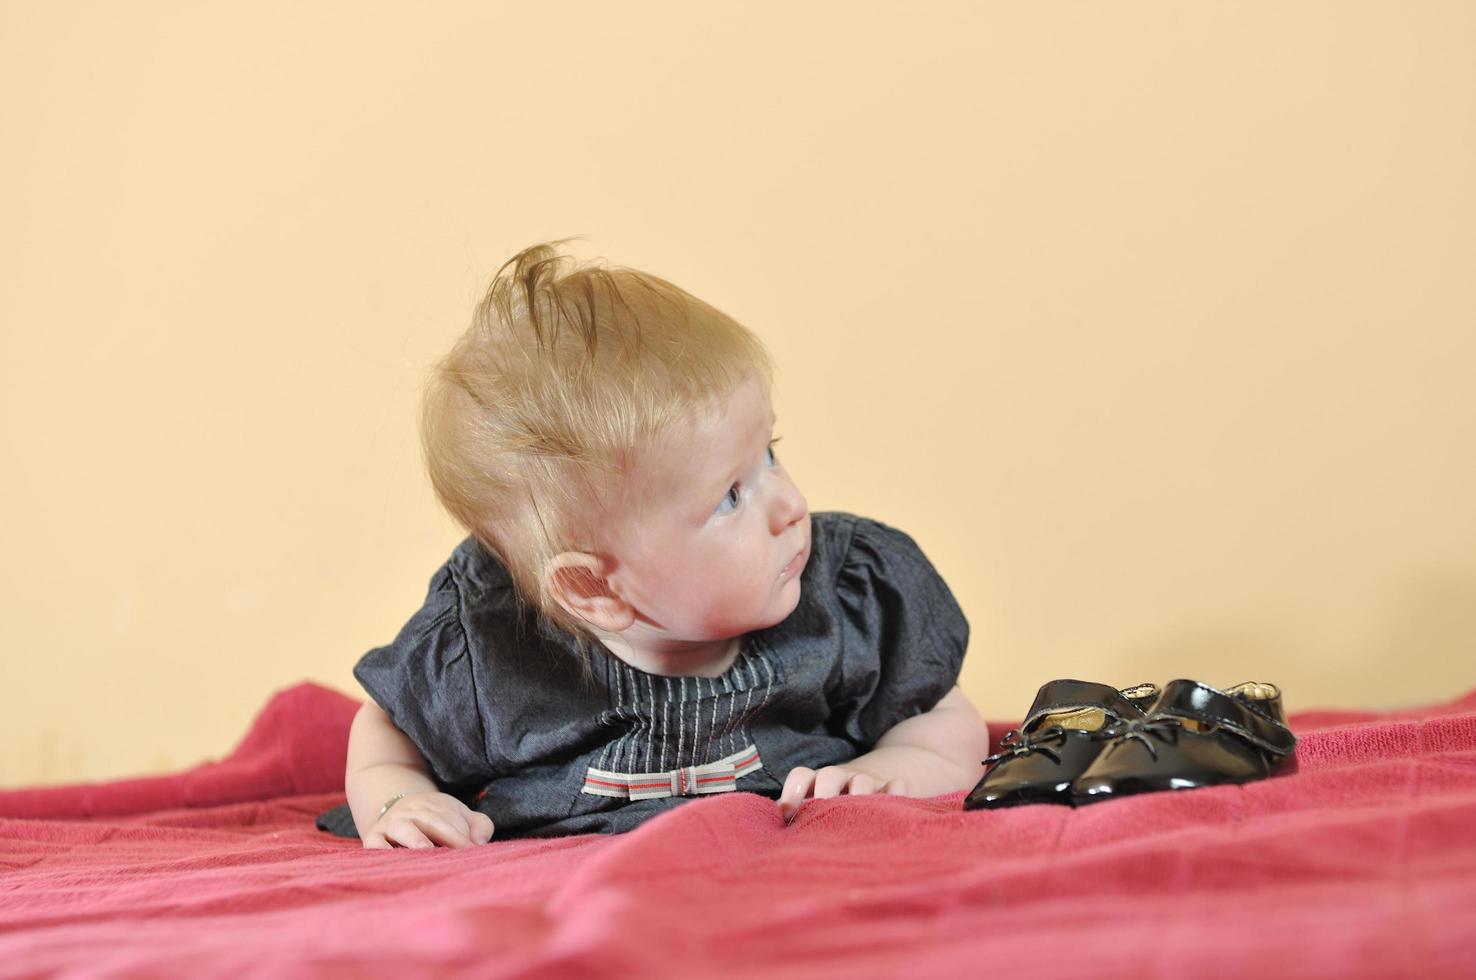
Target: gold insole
[[1255, 691], [1082, 719], [1092, 719]]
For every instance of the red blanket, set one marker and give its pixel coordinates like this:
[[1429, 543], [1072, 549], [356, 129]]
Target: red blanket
[[1360, 863]]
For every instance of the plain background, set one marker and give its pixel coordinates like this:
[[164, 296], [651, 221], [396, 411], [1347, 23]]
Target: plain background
[[1151, 322]]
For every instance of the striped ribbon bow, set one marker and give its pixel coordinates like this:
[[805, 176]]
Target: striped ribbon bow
[[710, 777]]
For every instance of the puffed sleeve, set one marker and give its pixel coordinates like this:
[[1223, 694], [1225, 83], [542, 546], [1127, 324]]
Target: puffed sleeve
[[905, 635], [424, 682]]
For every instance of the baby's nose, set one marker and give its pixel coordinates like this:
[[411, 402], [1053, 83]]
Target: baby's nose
[[789, 507]]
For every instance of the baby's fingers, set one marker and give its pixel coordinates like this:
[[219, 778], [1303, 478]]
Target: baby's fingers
[[480, 827], [797, 786], [428, 830], [831, 781], [865, 784], [405, 833], [448, 830]]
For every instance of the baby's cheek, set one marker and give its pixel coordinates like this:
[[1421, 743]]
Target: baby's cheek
[[739, 609]]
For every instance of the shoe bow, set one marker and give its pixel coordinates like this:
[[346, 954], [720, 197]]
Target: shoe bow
[[1138, 730], [1016, 742]]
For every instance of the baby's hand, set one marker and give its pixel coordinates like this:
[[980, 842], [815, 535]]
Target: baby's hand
[[429, 819], [803, 783]]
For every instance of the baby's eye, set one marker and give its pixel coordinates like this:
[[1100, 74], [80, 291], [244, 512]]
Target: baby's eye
[[730, 501], [769, 456]]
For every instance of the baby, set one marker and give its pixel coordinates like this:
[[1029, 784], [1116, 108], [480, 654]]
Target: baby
[[645, 610]]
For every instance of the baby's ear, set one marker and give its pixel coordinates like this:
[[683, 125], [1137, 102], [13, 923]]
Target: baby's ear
[[577, 581]]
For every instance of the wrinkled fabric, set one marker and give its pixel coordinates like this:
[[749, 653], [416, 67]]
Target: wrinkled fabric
[[501, 708], [1359, 862]]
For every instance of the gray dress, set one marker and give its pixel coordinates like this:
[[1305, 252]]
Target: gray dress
[[497, 701]]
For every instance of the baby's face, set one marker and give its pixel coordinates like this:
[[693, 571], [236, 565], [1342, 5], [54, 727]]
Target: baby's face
[[713, 534]]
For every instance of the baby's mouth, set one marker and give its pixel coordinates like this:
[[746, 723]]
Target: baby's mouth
[[796, 563]]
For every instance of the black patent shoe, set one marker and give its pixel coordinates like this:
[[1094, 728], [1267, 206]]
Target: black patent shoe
[[1038, 761], [1194, 736]]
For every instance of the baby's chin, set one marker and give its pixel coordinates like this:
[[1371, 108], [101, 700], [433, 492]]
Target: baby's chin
[[785, 603]]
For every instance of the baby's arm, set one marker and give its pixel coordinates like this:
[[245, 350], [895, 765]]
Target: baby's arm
[[383, 764], [937, 752]]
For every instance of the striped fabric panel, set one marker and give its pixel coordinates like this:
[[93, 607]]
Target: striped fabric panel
[[712, 718]]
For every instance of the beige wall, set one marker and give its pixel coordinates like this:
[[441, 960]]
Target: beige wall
[[1153, 323]]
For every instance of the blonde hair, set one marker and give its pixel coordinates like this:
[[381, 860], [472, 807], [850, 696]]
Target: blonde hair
[[565, 372]]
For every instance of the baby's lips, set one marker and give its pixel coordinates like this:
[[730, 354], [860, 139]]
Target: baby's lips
[[803, 553]]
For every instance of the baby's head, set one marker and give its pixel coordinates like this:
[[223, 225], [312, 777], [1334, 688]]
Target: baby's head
[[607, 436]]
